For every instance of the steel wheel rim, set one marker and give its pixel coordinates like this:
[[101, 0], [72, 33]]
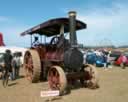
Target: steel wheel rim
[[54, 79], [29, 66], [91, 77]]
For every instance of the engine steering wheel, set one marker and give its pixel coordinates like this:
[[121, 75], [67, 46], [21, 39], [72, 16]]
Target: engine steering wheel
[[54, 40]]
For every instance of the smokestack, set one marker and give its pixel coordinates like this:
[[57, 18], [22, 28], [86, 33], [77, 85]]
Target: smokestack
[[72, 28]]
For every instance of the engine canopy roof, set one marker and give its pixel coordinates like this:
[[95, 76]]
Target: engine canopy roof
[[52, 27]]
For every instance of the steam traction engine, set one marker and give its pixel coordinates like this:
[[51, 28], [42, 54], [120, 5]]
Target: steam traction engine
[[60, 61]]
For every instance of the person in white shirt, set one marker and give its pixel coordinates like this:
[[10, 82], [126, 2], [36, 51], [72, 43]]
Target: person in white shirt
[[16, 65]]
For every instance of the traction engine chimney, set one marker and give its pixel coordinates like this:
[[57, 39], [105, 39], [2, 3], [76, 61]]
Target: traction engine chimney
[[72, 28]]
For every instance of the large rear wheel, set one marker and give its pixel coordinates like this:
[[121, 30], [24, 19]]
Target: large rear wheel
[[57, 79], [32, 65]]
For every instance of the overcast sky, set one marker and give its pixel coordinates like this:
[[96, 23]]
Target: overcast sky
[[106, 19]]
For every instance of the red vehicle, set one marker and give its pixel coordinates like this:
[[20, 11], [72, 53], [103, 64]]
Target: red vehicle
[[121, 60]]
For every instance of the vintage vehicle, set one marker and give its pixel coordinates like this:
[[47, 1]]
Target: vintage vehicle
[[60, 61]]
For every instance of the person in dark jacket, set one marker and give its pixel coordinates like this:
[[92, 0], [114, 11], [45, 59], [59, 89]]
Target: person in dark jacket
[[8, 62]]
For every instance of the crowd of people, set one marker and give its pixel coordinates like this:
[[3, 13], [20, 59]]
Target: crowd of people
[[12, 64]]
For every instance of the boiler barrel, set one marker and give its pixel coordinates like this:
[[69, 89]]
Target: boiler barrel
[[73, 59]]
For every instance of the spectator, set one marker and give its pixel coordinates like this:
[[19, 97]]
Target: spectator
[[105, 61], [16, 65], [8, 62], [108, 60]]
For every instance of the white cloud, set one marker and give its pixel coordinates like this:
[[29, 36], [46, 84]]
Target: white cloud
[[97, 22], [106, 23]]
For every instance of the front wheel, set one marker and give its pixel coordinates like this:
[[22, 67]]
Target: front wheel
[[91, 76], [57, 79]]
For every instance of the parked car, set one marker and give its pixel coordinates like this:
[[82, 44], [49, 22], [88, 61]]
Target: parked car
[[119, 60], [91, 58], [100, 60], [114, 55]]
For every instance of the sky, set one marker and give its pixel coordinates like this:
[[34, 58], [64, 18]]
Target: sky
[[106, 19]]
